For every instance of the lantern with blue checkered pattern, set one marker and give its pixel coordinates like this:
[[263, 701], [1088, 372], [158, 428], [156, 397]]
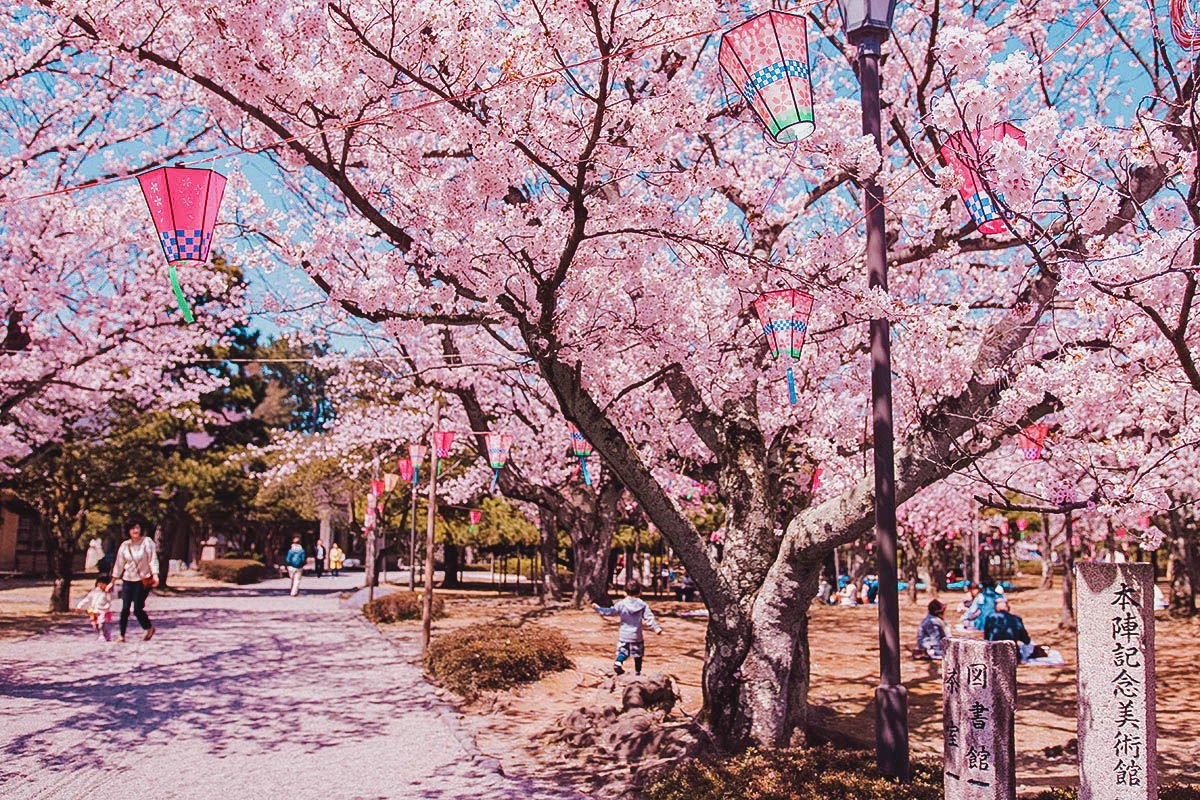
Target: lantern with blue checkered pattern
[[766, 57], [970, 154], [183, 203], [581, 449], [784, 315]]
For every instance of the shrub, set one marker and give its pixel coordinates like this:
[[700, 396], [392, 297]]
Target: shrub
[[233, 570], [401, 605], [495, 655], [793, 774], [1173, 791]]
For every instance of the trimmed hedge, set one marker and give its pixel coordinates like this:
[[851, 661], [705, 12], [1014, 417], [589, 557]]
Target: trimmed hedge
[[793, 774], [401, 605], [495, 655], [822, 773], [233, 570], [1172, 791]]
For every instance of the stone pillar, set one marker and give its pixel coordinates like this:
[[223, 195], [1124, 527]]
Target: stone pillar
[[979, 688], [1115, 710]]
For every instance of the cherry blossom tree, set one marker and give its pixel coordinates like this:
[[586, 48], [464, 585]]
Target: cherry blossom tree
[[607, 223]]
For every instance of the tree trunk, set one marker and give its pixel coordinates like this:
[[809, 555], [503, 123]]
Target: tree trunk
[[1183, 567], [757, 666], [1047, 554], [60, 556], [548, 527], [451, 556], [1067, 618], [591, 539], [911, 566]]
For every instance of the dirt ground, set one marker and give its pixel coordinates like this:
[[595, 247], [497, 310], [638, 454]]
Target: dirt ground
[[513, 726]]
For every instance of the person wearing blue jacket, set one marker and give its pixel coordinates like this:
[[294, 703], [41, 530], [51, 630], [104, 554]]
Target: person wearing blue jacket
[[634, 613]]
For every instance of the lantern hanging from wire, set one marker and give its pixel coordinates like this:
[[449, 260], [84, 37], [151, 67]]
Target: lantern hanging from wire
[[416, 455], [784, 316], [581, 450], [390, 479], [183, 203], [1031, 440], [377, 488], [766, 57], [498, 445], [476, 515], [442, 441], [1185, 24], [816, 479], [970, 153], [406, 469]]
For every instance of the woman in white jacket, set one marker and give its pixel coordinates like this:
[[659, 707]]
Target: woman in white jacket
[[137, 567]]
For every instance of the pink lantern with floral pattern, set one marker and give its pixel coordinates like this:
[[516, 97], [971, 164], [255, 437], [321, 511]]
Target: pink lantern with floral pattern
[[183, 203]]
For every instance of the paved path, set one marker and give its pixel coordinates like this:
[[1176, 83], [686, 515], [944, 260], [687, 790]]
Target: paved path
[[243, 692]]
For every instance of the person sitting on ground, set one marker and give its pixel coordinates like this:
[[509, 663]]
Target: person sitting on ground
[[982, 606], [633, 612], [825, 590], [1002, 626], [848, 596], [932, 633]]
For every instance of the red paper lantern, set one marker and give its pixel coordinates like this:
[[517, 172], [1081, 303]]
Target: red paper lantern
[[970, 154], [183, 203], [442, 440], [406, 469], [1031, 440], [1185, 24]]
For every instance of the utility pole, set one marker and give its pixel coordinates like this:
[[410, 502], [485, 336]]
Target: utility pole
[[427, 605], [412, 541], [868, 23]]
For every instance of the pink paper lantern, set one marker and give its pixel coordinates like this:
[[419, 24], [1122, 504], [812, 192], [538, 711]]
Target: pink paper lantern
[[498, 445], [476, 516], [406, 469], [377, 488], [1022, 524], [784, 316], [416, 454], [581, 449], [970, 154], [183, 203], [766, 57], [442, 440]]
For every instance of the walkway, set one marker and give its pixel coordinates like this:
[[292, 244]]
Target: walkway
[[243, 692]]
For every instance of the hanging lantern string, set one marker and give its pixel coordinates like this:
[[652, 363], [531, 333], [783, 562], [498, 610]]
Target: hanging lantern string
[[782, 175], [378, 117], [464, 96], [933, 159]]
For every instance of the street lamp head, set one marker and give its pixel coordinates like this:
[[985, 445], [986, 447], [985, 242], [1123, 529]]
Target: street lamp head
[[865, 20]]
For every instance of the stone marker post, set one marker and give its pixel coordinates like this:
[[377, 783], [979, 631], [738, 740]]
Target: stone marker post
[[1115, 710], [979, 689]]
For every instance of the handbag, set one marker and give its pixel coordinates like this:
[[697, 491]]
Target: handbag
[[150, 582]]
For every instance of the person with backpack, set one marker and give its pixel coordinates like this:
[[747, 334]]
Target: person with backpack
[[295, 564]]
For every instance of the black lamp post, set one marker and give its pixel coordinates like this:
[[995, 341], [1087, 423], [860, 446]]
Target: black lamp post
[[868, 23]]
